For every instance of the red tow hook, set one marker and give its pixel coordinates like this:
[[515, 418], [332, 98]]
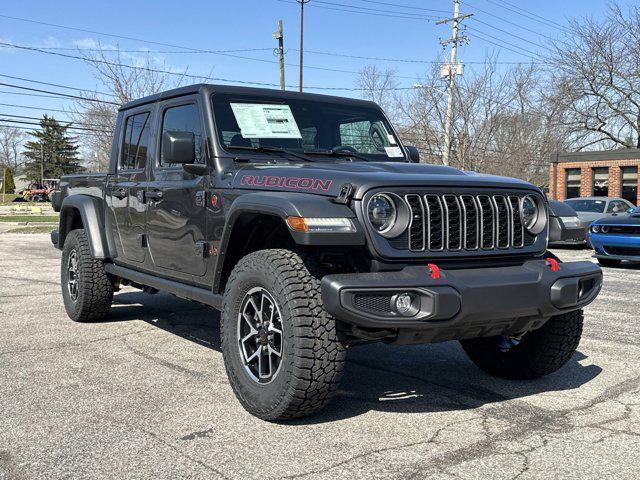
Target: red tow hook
[[435, 270], [553, 264]]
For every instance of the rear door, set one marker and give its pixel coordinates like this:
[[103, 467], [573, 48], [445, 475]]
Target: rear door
[[125, 190], [176, 217]]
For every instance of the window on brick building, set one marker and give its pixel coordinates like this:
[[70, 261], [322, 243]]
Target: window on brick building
[[630, 184], [601, 182], [572, 183]]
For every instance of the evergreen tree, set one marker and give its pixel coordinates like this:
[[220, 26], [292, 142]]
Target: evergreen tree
[[10, 185], [58, 149]]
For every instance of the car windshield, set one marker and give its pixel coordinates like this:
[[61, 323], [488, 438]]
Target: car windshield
[[583, 205], [310, 127]]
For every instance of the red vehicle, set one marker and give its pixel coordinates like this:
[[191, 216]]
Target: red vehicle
[[37, 192]]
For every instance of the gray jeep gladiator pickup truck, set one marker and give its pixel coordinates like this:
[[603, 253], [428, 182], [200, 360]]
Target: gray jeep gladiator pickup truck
[[312, 228]]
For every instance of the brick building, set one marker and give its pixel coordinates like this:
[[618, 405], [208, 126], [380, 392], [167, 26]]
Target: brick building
[[585, 174]]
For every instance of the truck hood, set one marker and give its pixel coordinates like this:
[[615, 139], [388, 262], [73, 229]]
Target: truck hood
[[324, 178]]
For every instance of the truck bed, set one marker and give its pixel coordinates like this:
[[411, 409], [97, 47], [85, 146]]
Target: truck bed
[[91, 184]]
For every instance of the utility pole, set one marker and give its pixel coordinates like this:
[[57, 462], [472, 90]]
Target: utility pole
[[301, 2], [280, 37], [451, 69]]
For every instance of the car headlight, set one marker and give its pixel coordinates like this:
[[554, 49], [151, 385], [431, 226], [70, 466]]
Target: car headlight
[[595, 228], [388, 214], [533, 214], [382, 212]]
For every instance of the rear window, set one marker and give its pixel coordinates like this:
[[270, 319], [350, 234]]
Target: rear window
[[135, 143]]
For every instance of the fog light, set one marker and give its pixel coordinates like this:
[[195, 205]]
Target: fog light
[[407, 304]]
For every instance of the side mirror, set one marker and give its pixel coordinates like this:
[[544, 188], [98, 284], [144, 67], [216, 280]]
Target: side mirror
[[630, 210], [178, 147], [414, 154]]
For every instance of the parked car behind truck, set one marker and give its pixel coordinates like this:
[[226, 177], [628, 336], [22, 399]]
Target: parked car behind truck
[[308, 223]]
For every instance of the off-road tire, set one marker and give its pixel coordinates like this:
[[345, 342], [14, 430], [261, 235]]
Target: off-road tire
[[313, 353], [539, 353], [609, 262], [95, 286]]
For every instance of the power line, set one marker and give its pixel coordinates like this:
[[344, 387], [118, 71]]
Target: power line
[[70, 122], [66, 95], [198, 78], [55, 85], [404, 16], [531, 16], [47, 109], [411, 7], [483, 36], [355, 7], [511, 34], [95, 32], [24, 122], [536, 32]]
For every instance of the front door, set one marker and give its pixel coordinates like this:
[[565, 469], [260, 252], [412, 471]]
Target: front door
[[176, 218], [125, 190]]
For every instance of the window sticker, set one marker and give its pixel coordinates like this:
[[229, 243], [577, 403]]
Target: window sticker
[[393, 152], [259, 120], [391, 139]]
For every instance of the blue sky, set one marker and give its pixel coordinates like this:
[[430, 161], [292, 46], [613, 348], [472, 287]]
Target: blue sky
[[249, 24]]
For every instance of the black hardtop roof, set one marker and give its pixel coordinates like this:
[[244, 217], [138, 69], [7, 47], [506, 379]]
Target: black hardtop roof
[[232, 89]]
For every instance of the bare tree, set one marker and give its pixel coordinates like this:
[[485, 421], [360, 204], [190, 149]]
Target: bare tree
[[596, 78], [378, 86], [505, 123], [11, 140], [121, 84]]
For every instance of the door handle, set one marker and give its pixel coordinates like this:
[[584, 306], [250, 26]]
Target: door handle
[[120, 193], [154, 195]]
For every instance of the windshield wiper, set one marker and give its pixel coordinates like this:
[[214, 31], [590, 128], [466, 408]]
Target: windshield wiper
[[263, 148], [337, 153]]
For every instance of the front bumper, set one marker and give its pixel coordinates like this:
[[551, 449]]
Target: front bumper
[[616, 246], [570, 236], [462, 303]]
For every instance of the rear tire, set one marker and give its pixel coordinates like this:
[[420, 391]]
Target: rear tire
[[304, 377], [609, 262], [87, 289], [539, 353]]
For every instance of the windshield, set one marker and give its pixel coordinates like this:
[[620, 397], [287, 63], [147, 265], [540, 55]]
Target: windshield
[[582, 205], [304, 126]]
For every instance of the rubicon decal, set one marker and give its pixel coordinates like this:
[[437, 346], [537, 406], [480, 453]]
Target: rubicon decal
[[286, 182]]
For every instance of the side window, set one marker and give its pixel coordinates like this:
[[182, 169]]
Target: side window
[[136, 142], [183, 118], [616, 206], [364, 136]]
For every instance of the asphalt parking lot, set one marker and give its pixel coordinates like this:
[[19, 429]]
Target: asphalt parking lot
[[144, 395]]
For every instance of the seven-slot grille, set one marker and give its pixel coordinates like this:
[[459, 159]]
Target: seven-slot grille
[[454, 222]]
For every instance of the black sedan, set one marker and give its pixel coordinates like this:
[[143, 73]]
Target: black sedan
[[564, 226]]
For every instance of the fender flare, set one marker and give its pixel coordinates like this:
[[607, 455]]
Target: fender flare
[[91, 210], [282, 205], [285, 204]]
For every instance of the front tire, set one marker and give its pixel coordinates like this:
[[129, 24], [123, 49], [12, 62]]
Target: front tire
[[539, 352], [87, 289], [282, 351]]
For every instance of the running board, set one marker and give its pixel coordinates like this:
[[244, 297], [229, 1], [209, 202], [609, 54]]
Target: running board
[[178, 289]]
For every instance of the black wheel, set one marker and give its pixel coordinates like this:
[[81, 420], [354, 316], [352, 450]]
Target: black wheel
[[282, 351], [87, 289], [538, 353], [609, 262]]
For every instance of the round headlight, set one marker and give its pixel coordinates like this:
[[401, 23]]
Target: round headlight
[[595, 228], [382, 212], [533, 214], [530, 212], [604, 229]]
